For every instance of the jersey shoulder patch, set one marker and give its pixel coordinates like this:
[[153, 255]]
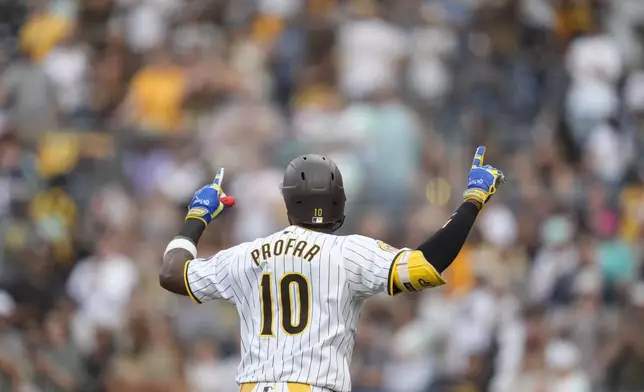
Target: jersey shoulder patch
[[386, 247]]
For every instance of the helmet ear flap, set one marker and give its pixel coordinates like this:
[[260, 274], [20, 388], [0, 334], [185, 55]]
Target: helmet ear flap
[[337, 225]]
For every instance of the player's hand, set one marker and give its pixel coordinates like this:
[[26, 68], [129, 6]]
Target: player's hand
[[483, 180], [210, 201]]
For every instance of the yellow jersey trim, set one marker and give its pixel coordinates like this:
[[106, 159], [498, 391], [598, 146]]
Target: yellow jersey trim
[[248, 387], [290, 386], [296, 387], [185, 281]]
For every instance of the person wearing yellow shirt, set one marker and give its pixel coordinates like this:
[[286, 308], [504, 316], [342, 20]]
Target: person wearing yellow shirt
[[156, 96], [573, 17], [42, 31]]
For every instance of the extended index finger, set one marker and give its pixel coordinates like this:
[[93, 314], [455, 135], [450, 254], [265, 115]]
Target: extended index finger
[[479, 156], [219, 177]]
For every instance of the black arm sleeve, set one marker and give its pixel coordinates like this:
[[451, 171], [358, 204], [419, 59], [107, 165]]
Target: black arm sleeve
[[192, 229], [442, 248]]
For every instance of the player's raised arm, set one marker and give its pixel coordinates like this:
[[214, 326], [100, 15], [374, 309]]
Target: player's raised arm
[[373, 266], [414, 270], [443, 247], [207, 203]]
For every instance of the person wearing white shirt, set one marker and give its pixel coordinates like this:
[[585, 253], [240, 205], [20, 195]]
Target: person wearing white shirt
[[370, 51], [102, 286], [67, 66]]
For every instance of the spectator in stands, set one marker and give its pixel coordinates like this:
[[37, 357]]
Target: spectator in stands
[[43, 30], [154, 104]]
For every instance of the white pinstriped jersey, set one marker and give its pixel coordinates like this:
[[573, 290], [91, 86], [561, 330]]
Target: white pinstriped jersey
[[299, 294]]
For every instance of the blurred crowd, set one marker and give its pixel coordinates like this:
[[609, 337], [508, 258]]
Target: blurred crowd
[[113, 112]]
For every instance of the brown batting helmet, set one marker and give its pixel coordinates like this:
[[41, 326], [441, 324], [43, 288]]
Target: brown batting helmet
[[313, 193]]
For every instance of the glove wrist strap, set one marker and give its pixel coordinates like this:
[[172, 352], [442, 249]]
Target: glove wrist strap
[[476, 194], [199, 213]]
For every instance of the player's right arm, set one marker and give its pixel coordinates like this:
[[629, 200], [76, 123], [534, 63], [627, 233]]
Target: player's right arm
[[374, 267], [182, 272]]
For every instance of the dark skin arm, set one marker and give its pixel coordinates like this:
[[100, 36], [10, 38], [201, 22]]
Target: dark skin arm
[[171, 275]]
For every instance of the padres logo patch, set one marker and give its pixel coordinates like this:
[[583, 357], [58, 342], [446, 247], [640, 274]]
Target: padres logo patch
[[387, 247]]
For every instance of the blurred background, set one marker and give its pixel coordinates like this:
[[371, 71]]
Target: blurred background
[[113, 112]]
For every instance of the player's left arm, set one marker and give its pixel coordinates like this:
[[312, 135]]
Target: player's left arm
[[207, 203], [414, 270]]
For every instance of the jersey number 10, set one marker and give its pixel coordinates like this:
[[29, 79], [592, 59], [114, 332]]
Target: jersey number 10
[[286, 306]]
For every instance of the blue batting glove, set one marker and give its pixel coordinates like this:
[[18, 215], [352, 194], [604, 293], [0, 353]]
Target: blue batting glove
[[210, 201], [483, 180]]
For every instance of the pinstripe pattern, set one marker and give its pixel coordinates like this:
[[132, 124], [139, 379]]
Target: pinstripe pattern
[[344, 272]]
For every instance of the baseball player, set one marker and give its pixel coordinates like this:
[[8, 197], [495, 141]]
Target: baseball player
[[299, 291]]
